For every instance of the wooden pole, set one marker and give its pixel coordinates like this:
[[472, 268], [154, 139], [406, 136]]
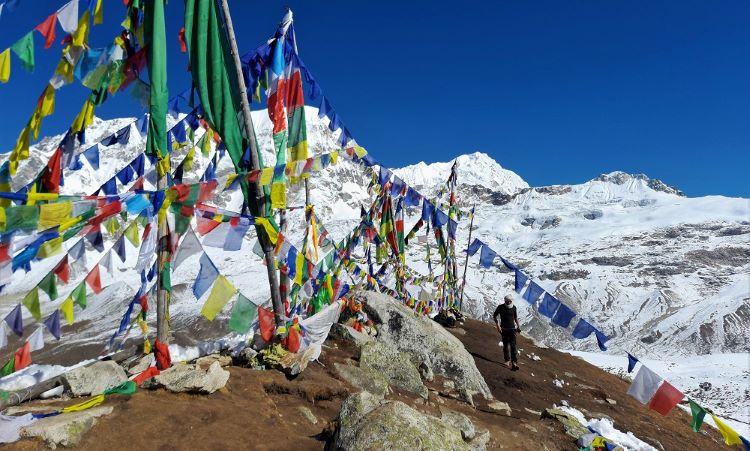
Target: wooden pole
[[259, 204], [466, 264], [162, 296]]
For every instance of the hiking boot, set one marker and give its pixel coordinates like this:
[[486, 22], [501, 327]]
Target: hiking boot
[[507, 363], [515, 367]]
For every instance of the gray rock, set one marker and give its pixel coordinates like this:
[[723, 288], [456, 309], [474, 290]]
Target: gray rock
[[364, 378], [348, 333], [307, 413], [500, 407], [191, 378], [391, 425], [572, 426], [94, 379], [394, 365], [430, 347], [480, 440], [461, 422], [141, 364], [65, 430], [206, 361]]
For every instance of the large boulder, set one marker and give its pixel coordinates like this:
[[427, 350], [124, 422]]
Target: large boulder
[[66, 429], [366, 423], [431, 348], [395, 366], [94, 379], [364, 378], [192, 378]]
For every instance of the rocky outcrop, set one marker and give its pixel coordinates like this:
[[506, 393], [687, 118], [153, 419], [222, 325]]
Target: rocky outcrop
[[365, 423], [94, 379], [191, 378], [65, 430], [364, 378], [431, 349], [394, 365]]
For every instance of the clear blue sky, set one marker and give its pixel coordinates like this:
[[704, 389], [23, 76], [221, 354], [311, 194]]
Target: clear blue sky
[[557, 91]]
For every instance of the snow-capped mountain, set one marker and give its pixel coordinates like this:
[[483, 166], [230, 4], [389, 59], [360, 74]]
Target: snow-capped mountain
[[658, 272]]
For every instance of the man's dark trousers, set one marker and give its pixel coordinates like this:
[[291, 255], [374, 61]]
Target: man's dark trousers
[[509, 345]]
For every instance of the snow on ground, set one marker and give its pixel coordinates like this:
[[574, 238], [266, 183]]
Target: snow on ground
[[727, 377], [607, 429]]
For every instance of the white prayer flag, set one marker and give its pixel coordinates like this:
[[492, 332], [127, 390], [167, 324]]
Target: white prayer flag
[[36, 340], [645, 384], [190, 246], [68, 16]]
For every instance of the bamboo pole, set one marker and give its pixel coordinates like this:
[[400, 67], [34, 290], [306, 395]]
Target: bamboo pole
[[259, 204], [466, 263]]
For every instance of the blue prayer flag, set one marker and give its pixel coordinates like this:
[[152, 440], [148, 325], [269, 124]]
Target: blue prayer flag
[[92, 156], [206, 276], [235, 236], [14, 319], [139, 165], [53, 323], [125, 175], [427, 209], [96, 239], [120, 248], [533, 292], [631, 362], [521, 279], [383, 176], [452, 226], [563, 316], [508, 264], [474, 246], [487, 256], [583, 329], [549, 305], [412, 197], [110, 187], [601, 339]]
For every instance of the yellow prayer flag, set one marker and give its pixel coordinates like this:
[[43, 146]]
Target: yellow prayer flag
[[36, 197], [89, 403], [229, 181], [67, 310], [278, 195], [51, 215], [360, 151], [266, 174], [272, 233], [334, 157], [298, 265], [68, 223], [50, 248], [731, 437], [81, 35], [85, 117], [48, 101], [112, 225], [143, 325], [221, 292], [65, 70], [98, 13], [35, 124], [162, 166], [131, 233], [146, 347], [5, 66], [3, 221]]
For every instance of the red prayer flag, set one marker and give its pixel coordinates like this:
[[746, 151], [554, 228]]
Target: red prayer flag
[[147, 374], [292, 341], [4, 248], [143, 300], [181, 37], [266, 323], [61, 270], [205, 225], [161, 351], [22, 359], [47, 29], [94, 279], [53, 172], [665, 398]]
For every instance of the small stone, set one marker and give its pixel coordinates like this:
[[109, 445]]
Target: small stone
[[611, 401], [449, 384], [191, 378], [66, 429], [570, 375], [530, 427], [480, 440], [307, 413], [500, 407], [206, 361], [95, 378], [533, 412]]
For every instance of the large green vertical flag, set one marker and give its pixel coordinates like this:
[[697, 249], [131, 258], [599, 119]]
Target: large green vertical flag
[[215, 79], [156, 39]]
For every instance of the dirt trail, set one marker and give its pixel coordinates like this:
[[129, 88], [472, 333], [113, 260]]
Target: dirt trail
[[263, 410]]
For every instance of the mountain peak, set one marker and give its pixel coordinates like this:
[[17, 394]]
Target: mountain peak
[[621, 178], [476, 168]]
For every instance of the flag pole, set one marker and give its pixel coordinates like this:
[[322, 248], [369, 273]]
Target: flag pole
[[466, 263], [259, 203]]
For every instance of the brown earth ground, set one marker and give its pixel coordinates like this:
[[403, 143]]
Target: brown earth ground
[[261, 410]]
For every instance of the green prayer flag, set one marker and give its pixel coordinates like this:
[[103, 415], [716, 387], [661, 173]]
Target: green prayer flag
[[24, 50], [243, 314], [9, 367], [21, 217], [156, 40], [216, 82], [166, 277], [49, 286], [112, 225], [126, 388], [79, 295], [131, 233], [31, 302], [698, 414]]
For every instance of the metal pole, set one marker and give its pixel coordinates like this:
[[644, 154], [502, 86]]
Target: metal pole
[[259, 203], [466, 263]]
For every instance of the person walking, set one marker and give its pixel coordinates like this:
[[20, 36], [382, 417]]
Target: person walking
[[508, 326]]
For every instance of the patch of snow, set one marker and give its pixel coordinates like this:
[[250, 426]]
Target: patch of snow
[[606, 428]]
